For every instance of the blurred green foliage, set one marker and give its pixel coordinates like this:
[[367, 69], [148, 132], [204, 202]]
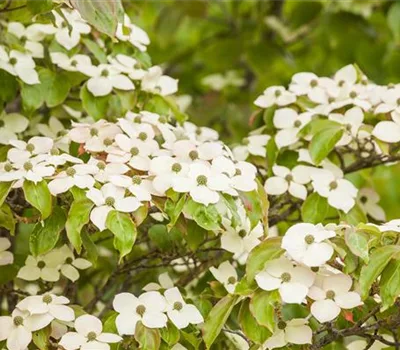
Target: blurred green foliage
[[265, 42]]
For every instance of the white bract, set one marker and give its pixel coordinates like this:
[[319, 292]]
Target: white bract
[[46, 267], [10, 125], [295, 331], [227, 275], [127, 31], [388, 131], [275, 95], [6, 257], [252, 145], [155, 82], [368, 200], [352, 120]]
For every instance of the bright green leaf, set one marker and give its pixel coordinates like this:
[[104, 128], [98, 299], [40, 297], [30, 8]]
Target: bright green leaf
[[39, 196], [314, 208], [253, 330], [323, 143], [357, 241], [262, 306]]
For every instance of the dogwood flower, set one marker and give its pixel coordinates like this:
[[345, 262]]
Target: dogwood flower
[[128, 31], [164, 282], [368, 200], [180, 313], [352, 120], [139, 186], [89, 335], [388, 131], [70, 28], [292, 181], [127, 65], [75, 63], [275, 95], [23, 151], [155, 82], [103, 171], [289, 123], [295, 331], [340, 192], [70, 266], [331, 295], [6, 257], [307, 244], [55, 130], [109, 197], [293, 282], [227, 275], [10, 125], [346, 77], [190, 152], [49, 305], [219, 81], [201, 134], [45, 267], [20, 65], [18, 328], [76, 175], [390, 101], [252, 145], [148, 308]]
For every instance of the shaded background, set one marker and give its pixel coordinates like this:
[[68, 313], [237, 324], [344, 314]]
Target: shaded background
[[264, 43]]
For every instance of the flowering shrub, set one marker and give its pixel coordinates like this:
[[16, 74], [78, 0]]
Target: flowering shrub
[[124, 226]]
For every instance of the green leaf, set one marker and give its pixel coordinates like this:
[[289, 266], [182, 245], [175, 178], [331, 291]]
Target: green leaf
[[8, 273], [393, 19], [379, 259], [124, 230], [355, 216], [39, 196], [245, 288], [4, 190], [206, 217], [102, 14], [95, 49], [390, 284], [96, 107], [253, 330], [54, 87], [323, 143], [195, 235], [149, 339], [7, 218], [163, 239], [314, 209], [170, 334], [254, 207], [357, 241], [8, 87], [39, 6], [41, 338], [90, 247], [32, 97], [45, 235], [174, 209], [262, 306], [78, 216], [217, 318], [267, 250]]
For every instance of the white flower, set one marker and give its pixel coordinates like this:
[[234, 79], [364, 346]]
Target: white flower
[[189, 151], [129, 32], [368, 200], [70, 28], [127, 65], [201, 134], [227, 275], [346, 77], [219, 81], [148, 308], [295, 331], [6, 257], [390, 101], [331, 295], [252, 145], [22, 150], [289, 123], [357, 96], [140, 187], [392, 225], [155, 82], [352, 120], [11, 124], [388, 131], [289, 180], [89, 335], [76, 175], [18, 328], [19, 64], [306, 244], [275, 95], [48, 305], [103, 171], [109, 197], [105, 78], [180, 313], [202, 184], [340, 192], [293, 282], [76, 63], [164, 282], [55, 130], [70, 265], [46, 267]]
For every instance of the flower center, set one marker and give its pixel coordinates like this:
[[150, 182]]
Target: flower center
[[69, 260], [41, 264], [47, 299], [398, 101], [289, 177], [193, 155], [363, 199], [277, 93], [28, 166], [142, 136], [70, 171], [55, 152], [281, 325], [176, 167], [91, 336], [140, 310], [333, 185], [353, 94], [231, 280], [238, 172], [136, 180], [286, 277], [13, 61], [74, 63], [242, 233], [178, 305], [18, 321], [314, 83], [138, 119], [8, 167], [162, 119], [134, 151], [330, 294], [110, 201], [348, 127], [309, 239], [105, 73], [94, 132], [101, 165], [201, 180], [331, 99], [107, 142], [23, 39], [297, 124], [246, 141], [30, 147], [198, 131]]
